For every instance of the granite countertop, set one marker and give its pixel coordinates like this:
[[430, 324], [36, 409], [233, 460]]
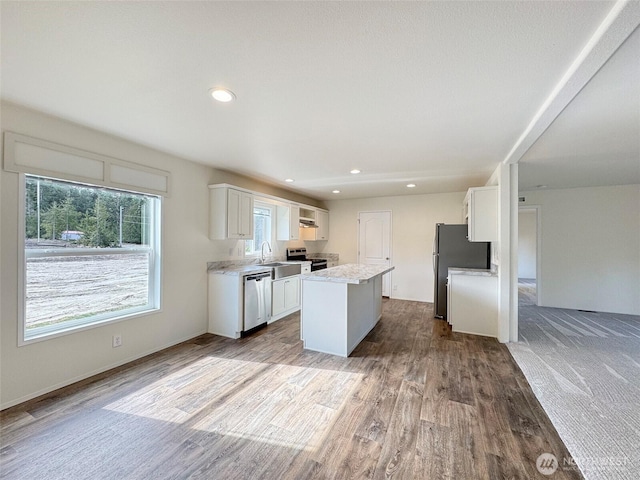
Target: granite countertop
[[240, 267], [483, 272], [348, 273], [239, 270]]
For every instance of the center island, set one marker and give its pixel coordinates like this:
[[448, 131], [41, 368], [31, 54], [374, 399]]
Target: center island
[[340, 306]]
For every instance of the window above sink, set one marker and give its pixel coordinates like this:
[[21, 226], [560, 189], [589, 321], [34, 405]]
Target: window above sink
[[263, 214]]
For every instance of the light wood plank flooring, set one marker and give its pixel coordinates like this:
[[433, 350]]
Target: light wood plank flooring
[[414, 401]]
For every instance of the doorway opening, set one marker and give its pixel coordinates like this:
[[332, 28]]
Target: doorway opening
[[528, 255]]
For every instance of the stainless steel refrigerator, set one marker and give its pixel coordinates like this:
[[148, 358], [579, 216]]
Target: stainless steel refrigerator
[[452, 249]]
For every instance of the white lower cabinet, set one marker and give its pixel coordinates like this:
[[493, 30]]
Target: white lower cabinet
[[285, 297], [226, 297], [473, 304]]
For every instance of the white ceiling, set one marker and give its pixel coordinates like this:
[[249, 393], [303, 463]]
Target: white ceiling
[[434, 93], [595, 141]]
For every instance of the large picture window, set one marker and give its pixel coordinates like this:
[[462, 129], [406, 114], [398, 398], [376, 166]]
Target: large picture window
[[92, 255]]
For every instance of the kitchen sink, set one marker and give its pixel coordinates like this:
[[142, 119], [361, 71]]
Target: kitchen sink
[[281, 270]]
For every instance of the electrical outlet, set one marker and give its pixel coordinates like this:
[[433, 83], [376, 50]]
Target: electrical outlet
[[117, 340], [395, 288]]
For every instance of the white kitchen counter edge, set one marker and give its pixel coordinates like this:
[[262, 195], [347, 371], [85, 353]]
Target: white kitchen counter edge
[[348, 273], [481, 272]]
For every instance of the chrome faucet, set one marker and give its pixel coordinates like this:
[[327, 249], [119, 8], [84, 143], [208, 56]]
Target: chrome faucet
[[262, 250]]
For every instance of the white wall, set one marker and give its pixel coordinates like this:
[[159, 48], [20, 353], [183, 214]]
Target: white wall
[[504, 251], [38, 368], [590, 248], [414, 219], [527, 244]]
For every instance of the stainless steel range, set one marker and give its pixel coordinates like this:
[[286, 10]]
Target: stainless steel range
[[300, 254]]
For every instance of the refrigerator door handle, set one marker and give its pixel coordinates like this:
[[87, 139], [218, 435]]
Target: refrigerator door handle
[[434, 253]]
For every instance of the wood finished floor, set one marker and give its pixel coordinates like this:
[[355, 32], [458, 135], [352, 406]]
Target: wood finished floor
[[414, 401]]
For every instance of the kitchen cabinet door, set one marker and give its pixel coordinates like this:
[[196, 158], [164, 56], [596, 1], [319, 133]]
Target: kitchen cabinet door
[[285, 297], [322, 221], [288, 222], [239, 215], [230, 213], [292, 293], [481, 214], [278, 298]]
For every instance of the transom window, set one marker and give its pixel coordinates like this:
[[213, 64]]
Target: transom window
[[92, 255]]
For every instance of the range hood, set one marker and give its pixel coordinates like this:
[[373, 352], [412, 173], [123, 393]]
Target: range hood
[[307, 223]]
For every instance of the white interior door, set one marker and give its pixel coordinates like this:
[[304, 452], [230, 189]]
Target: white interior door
[[374, 243]]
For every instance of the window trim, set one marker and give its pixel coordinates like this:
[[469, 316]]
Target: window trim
[[155, 267]]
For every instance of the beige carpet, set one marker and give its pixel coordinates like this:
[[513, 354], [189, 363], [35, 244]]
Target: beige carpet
[[584, 368]]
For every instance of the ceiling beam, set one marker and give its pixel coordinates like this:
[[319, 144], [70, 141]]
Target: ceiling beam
[[618, 25]]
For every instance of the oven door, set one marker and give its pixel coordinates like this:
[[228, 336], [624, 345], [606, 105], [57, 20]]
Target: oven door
[[321, 265]]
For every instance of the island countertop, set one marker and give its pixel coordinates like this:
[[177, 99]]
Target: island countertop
[[348, 273]]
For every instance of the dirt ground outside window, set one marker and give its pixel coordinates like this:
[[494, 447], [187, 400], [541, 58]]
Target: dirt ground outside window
[[66, 288]]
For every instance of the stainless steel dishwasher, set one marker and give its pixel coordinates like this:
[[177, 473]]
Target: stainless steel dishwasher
[[257, 301]]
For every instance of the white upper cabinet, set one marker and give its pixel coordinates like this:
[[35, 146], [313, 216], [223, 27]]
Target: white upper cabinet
[[288, 222], [321, 219], [230, 213], [481, 214]]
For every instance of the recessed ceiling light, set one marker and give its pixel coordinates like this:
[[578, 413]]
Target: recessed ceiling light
[[411, 185], [222, 94], [355, 171], [288, 180], [336, 191]]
